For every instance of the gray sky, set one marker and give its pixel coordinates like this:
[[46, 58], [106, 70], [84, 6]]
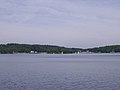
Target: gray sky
[[71, 23]]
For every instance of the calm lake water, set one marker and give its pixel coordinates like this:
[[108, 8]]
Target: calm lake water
[[60, 72]]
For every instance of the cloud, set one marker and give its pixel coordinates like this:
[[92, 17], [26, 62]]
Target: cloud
[[55, 11], [78, 23]]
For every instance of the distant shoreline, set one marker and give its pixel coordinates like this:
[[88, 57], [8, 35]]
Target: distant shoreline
[[14, 48]]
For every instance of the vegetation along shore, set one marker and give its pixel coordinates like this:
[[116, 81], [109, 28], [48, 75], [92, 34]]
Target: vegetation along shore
[[12, 48]]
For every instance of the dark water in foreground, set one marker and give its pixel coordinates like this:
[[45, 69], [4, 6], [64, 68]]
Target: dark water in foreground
[[60, 72]]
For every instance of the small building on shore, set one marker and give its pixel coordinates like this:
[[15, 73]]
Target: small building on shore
[[33, 52]]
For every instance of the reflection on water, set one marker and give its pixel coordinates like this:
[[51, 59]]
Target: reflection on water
[[60, 72]]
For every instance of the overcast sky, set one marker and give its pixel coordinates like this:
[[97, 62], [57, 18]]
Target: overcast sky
[[71, 23]]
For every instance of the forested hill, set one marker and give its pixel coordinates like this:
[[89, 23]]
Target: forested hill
[[27, 48], [50, 49], [105, 49]]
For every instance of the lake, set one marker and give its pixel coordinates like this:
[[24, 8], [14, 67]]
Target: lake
[[60, 72]]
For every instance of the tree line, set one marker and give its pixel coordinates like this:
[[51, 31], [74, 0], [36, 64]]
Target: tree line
[[26, 48], [11, 48], [105, 49]]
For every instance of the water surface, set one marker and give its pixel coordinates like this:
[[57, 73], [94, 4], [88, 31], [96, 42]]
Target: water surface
[[60, 72]]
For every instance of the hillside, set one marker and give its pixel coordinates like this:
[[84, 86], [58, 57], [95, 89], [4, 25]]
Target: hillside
[[105, 49], [50, 49], [26, 48]]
